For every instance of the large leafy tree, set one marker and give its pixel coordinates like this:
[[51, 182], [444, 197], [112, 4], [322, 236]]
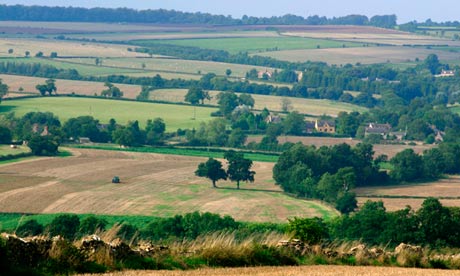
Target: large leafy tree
[[408, 166], [227, 101], [49, 87], [211, 169], [196, 95], [239, 168]]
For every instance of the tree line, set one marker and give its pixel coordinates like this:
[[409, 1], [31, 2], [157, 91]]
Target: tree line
[[162, 16], [330, 173]]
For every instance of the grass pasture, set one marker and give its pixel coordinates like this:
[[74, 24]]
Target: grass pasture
[[273, 103], [175, 116], [6, 150], [87, 88], [314, 270], [251, 44], [151, 184], [364, 55]]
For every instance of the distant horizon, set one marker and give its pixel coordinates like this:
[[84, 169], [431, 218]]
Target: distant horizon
[[406, 11]]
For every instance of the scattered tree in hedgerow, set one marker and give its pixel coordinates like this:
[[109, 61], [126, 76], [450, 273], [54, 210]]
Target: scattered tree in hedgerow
[[213, 170], [3, 89], [239, 168]]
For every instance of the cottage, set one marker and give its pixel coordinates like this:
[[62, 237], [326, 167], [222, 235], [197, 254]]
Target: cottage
[[379, 129], [325, 126], [446, 73], [273, 119]]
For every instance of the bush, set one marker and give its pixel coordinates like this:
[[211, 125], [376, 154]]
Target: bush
[[308, 230], [29, 228], [65, 226]]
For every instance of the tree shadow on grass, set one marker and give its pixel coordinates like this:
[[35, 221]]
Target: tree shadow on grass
[[6, 108], [248, 189]]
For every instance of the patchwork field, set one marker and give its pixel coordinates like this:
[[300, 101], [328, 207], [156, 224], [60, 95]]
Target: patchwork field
[[152, 184], [364, 55], [398, 197], [63, 48], [252, 44], [316, 270], [175, 116], [390, 150], [272, 103], [88, 88], [172, 66]]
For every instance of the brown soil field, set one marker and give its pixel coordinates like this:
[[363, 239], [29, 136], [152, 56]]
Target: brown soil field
[[390, 150], [152, 184], [64, 86], [449, 187], [63, 48], [329, 270], [273, 103], [364, 55]]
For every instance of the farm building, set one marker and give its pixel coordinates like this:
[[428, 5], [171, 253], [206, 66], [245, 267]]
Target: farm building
[[384, 130]]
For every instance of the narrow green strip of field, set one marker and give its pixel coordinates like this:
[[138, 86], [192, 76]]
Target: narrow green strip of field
[[175, 116], [252, 44], [214, 153]]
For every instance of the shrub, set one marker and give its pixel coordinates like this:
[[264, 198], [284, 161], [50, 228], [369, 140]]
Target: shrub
[[29, 228], [65, 226]]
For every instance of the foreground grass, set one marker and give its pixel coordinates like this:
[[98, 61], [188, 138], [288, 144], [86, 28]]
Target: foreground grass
[[175, 116]]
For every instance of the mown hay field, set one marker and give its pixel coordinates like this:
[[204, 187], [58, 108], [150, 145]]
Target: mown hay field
[[88, 88], [175, 116], [389, 150], [272, 103], [172, 66], [364, 55], [252, 44], [63, 48], [373, 36], [328, 270], [398, 197], [151, 184]]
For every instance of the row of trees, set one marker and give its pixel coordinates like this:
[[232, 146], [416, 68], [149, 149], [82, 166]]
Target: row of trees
[[161, 16]]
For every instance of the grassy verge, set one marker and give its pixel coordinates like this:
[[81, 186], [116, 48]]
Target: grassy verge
[[198, 152]]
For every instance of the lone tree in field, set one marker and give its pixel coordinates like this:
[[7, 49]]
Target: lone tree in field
[[195, 95], [239, 168], [213, 170], [49, 86], [111, 91]]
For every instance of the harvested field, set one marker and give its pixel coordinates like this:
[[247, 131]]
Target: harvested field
[[448, 189], [390, 150], [176, 66], [63, 48], [151, 184], [364, 55], [273, 103], [88, 88], [329, 270], [175, 116]]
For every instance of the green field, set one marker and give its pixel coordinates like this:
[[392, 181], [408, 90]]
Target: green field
[[6, 150], [175, 116], [252, 44]]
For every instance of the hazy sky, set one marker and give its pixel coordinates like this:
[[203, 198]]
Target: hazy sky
[[406, 10]]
